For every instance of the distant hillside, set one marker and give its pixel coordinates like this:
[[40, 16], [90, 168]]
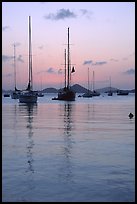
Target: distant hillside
[[50, 90], [78, 88], [107, 89]]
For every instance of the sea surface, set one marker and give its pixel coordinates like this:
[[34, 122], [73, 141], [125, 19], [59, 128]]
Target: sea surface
[[58, 151]]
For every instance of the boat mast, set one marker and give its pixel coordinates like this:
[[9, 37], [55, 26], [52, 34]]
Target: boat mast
[[15, 66], [93, 80], [30, 57], [68, 63], [65, 68], [110, 82], [88, 80]]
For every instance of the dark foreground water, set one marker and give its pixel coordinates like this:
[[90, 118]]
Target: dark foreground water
[[69, 151]]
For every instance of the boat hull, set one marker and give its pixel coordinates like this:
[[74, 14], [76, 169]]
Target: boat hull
[[95, 93], [87, 95], [28, 97], [6, 95], [122, 93], [110, 94], [15, 95], [66, 95]]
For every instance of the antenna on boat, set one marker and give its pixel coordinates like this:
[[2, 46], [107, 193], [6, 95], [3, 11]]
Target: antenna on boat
[[15, 64], [88, 80], [65, 68], [68, 62], [93, 81], [30, 85]]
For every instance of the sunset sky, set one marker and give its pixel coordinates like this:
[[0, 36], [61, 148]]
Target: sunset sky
[[102, 37]]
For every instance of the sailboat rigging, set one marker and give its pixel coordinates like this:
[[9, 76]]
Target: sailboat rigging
[[94, 92], [110, 93], [88, 94], [29, 96], [67, 93], [40, 94], [16, 92]]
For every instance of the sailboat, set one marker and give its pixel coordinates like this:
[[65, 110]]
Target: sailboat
[[88, 94], [29, 96], [16, 92], [94, 92], [40, 94], [67, 94], [110, 93]]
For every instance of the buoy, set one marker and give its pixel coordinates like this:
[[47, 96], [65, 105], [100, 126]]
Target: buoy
[[131, 115]]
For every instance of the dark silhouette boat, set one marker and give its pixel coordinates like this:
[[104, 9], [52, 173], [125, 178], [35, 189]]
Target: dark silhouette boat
[[67, 94], [6, 95], [122, 92]]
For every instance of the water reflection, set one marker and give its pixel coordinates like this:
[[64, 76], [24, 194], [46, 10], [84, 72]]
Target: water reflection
[[90, 112], [66, 170], [28, 110]]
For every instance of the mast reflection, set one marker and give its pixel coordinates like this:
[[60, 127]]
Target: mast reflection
[[29, 110], [68, 142]]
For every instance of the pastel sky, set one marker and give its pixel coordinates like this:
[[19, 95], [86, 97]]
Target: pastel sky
[[102, 37]]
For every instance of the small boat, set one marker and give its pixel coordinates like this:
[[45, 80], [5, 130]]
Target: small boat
[[95, 93], [122, 92], [6, 95], [87, 95], [110, 93], [40, 94], [29, 96], [67, 94]]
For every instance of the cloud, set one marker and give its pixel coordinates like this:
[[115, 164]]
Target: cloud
[[99, 63], [20, 59], [86, 12], [61, 15], [50, 70], [130, 71], [4, 28], [6, 58], [87, 62], [95, 63]]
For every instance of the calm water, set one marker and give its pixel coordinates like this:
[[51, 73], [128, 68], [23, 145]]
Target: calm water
[[69, 151]]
